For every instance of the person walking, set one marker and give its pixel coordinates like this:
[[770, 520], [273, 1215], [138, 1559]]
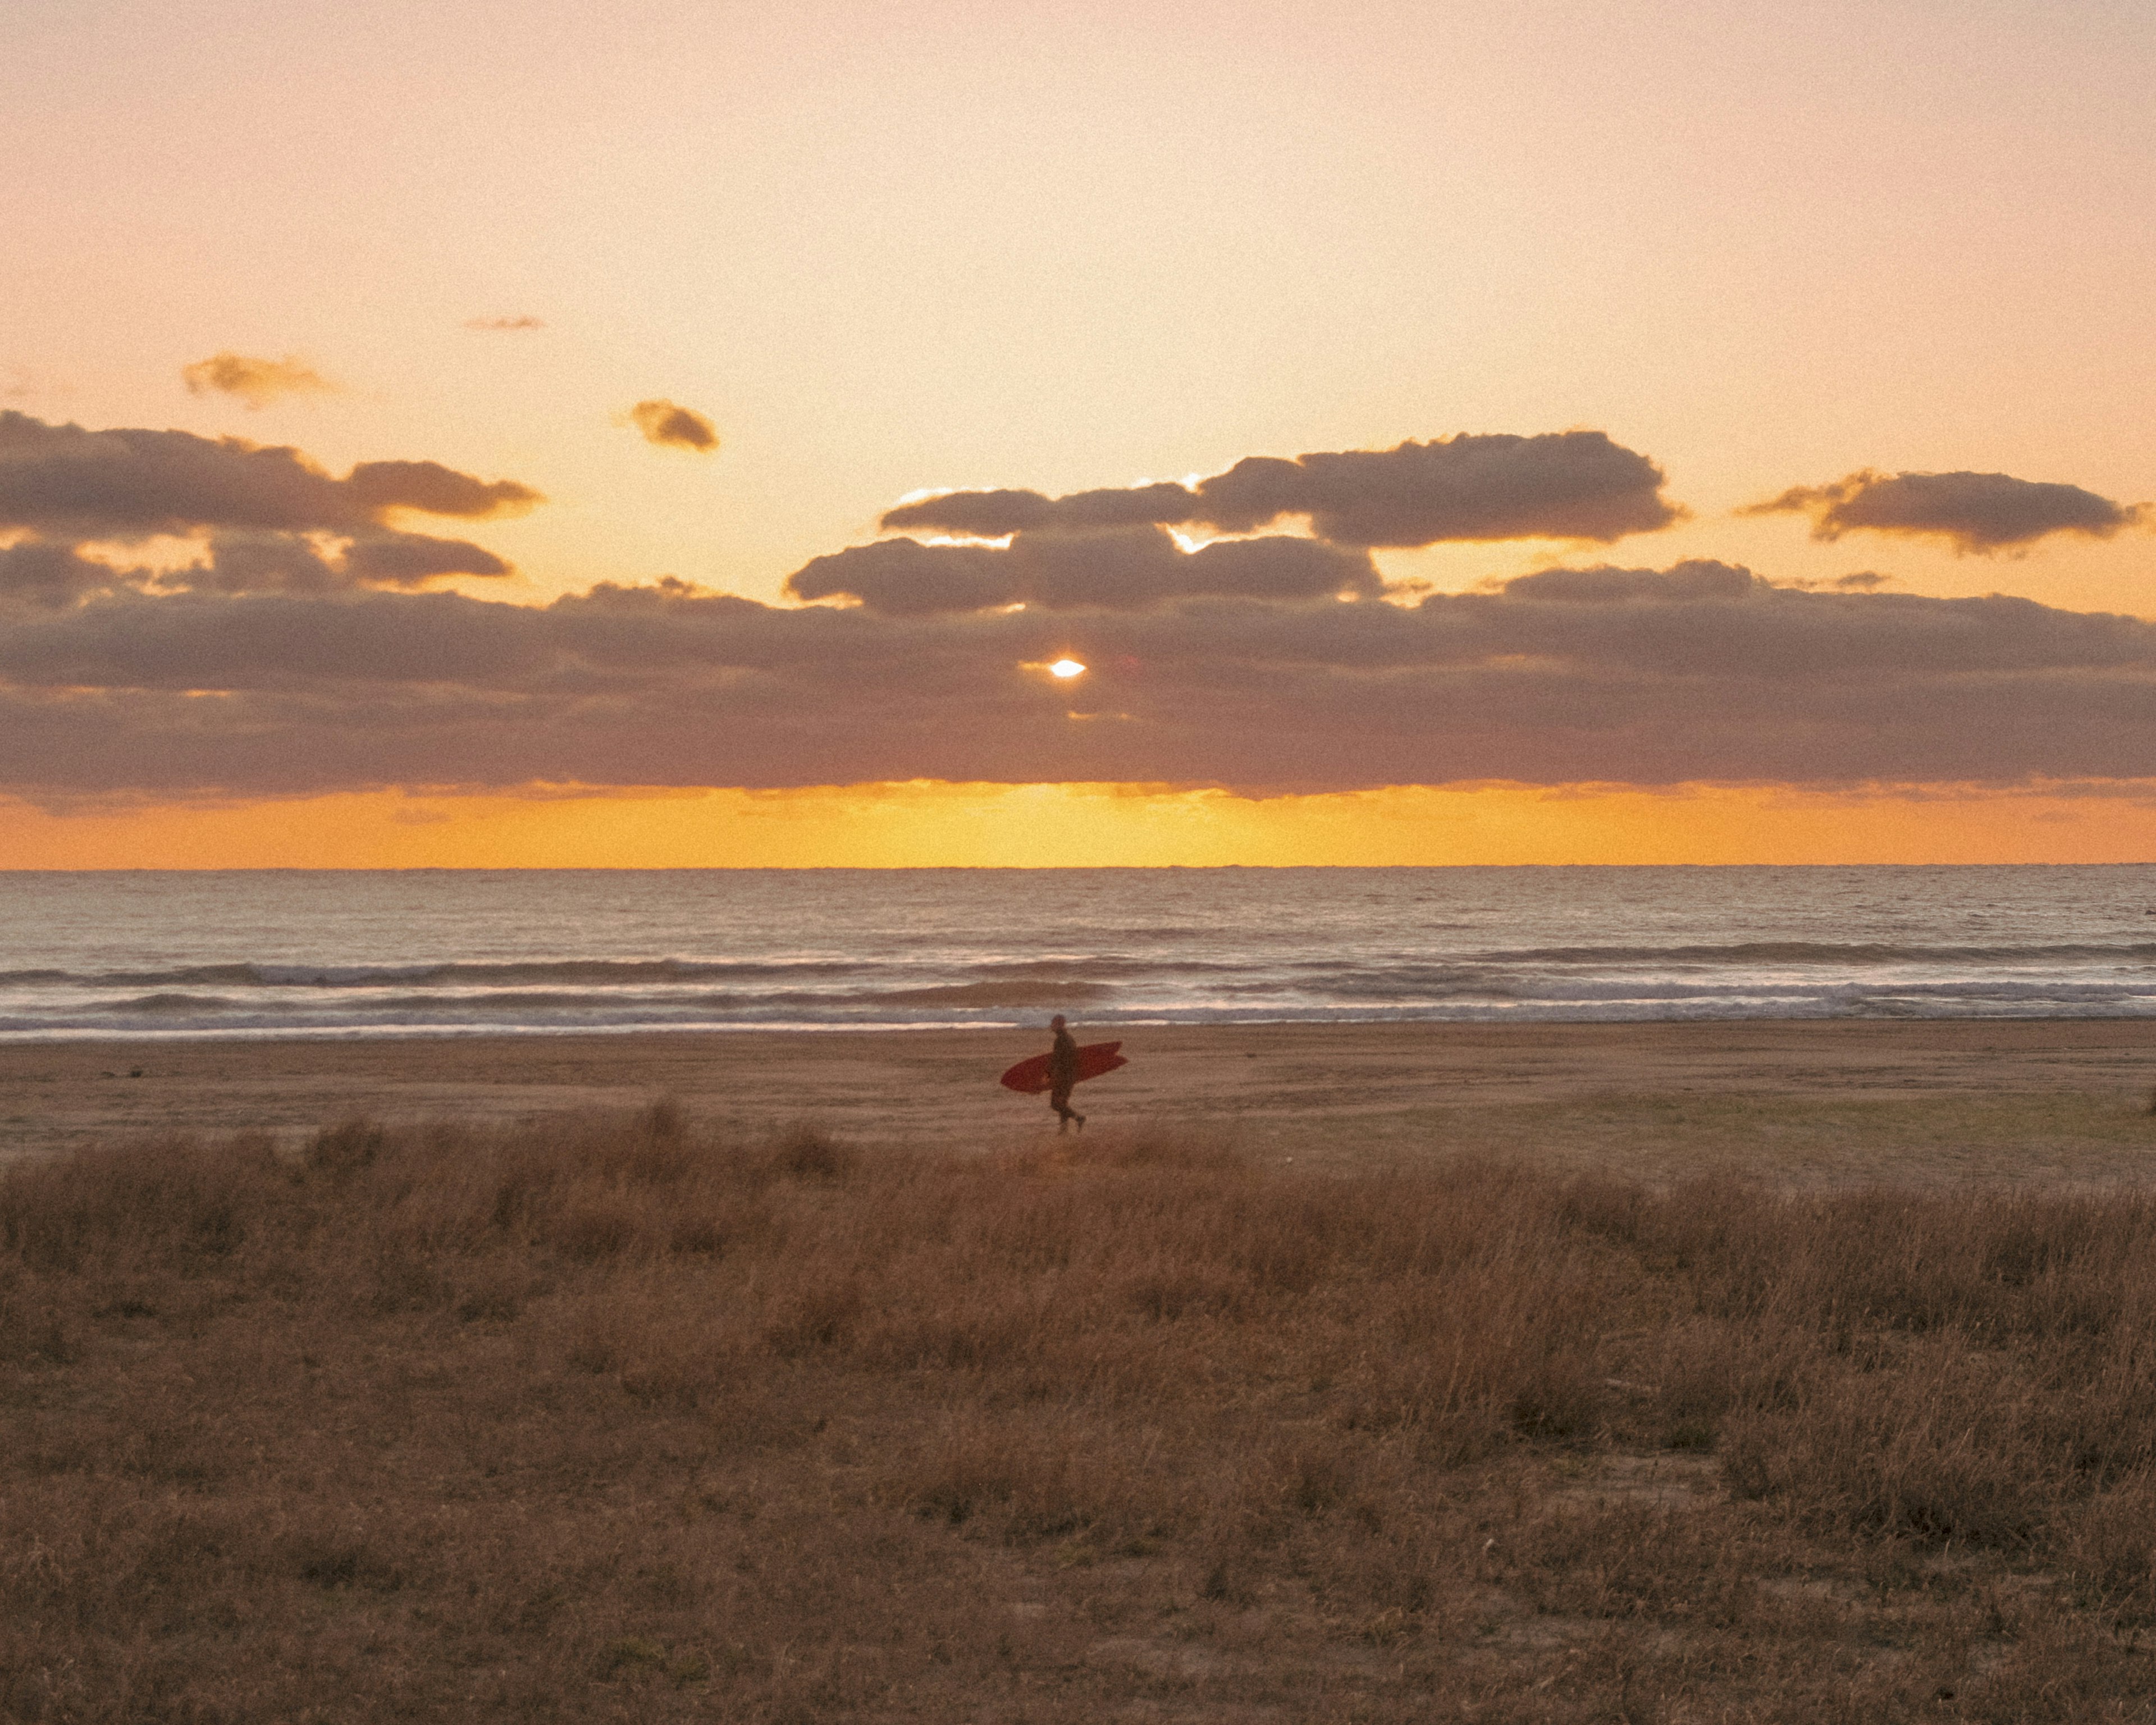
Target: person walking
[[1062, 1074]]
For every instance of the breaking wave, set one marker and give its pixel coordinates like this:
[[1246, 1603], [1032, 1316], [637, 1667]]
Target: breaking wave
[[543, 953]]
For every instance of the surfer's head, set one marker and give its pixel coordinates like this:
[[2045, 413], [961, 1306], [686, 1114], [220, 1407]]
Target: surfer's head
[[1055, 1023]]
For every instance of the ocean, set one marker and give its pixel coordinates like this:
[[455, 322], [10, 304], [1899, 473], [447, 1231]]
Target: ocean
[[246, 954]]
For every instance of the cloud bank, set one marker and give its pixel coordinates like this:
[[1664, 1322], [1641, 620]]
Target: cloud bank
[[297, 654], [1700, 671], [672, 426], [1571, 485], [256, 381], [1975, 512]]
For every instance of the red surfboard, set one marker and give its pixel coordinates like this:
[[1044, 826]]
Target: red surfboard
[[1031, 1077]]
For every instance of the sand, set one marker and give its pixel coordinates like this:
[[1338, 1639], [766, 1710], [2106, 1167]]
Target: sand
[[2043, 1099]]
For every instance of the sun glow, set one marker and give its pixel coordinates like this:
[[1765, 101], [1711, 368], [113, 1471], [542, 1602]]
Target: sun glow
[[934, 824], [1066, 668]]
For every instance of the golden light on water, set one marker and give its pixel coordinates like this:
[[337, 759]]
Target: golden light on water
[[1066, 668]]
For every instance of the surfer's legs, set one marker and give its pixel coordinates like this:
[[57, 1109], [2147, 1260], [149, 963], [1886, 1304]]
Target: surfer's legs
[[1058, 1099]]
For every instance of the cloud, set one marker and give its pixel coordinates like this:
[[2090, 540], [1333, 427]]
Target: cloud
[[505, 325], [407, 559], [268, 519], [672, 426], [435, 489], [298, 651], [256, 381], [287, 563], [38, 573], [253, 562], [1573, 484], [1702, 671], [1979, 512], [130, 484], [904, 578], [1127, 569]]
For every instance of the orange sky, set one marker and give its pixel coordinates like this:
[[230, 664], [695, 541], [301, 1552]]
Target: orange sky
[[1060, 246], [1022, 826]]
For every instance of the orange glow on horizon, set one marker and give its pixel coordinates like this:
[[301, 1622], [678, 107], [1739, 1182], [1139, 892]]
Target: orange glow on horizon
[[934, 824]]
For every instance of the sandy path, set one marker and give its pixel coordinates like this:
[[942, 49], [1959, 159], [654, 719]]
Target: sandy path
[[2039, 1098]]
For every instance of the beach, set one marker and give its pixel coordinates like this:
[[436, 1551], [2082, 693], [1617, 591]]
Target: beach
[[1925, 1101]]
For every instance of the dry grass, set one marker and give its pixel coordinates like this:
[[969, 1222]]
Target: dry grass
[[627, 1419]]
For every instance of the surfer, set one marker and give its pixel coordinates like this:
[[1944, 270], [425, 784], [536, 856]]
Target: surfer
[[1062, 1073]]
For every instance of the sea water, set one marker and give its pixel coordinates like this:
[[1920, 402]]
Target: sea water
[[443, 952]]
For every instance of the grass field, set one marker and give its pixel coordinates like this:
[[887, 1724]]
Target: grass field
[[629, 1418]]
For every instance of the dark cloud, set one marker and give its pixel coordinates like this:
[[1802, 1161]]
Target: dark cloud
[[38, 573], [1979, 512], [407, 559], [287, 563], [505, 325], [256, 381], [62, 481], [435, 489], [1686, 584], [994, 515], [673, 426], [257, 562], [1124, 569], [905, 577], [295, 654], [267, 520], [1573, 484], [1701, 671]]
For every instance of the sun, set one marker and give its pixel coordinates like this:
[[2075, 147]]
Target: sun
[[1066, 668]]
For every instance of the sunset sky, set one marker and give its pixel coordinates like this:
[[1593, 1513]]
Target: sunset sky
[[671, 434]]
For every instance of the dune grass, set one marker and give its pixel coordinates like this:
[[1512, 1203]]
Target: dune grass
[[631, 1417], [2002, 1139]]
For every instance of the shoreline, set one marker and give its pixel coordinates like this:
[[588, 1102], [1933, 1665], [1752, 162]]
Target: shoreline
[[406, 1035], [1793, 1099]]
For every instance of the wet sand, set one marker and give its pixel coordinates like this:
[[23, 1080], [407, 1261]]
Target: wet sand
[[2044, 1100]]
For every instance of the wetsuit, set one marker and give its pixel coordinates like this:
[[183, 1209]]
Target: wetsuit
[[1062, 1073]]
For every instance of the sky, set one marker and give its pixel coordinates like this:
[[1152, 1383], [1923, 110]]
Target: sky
[[486, 434]]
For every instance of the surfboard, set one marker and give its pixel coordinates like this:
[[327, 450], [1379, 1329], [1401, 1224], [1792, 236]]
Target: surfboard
[[1031, 1077]]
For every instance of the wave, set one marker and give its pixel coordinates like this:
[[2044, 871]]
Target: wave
[[1821, 952], [392, 954], [1091, 967], [151, 1028], [605, 972], [1016, 994], [448, 972], [1346, 994], [1508, 971]]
